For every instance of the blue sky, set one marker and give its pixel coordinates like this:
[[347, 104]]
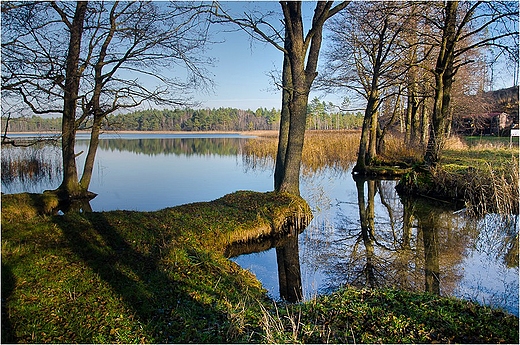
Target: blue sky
[[241, 72], [242, 65]]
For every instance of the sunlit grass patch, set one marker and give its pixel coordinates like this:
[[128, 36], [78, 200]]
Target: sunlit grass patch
[[126, 276], [388, 316]]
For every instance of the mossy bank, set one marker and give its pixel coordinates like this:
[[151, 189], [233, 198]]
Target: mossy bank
[[484, 180], [157, 277]]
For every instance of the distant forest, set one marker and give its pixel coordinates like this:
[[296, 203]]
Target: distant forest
[[221, 119]]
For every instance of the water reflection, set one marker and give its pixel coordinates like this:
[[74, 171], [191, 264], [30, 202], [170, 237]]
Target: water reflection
[[427, 225], [30, 168], [287, 261], [413, 244], [289, 273], [223, 146], [362, 234]]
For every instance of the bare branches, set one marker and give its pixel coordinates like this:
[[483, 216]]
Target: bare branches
[[148, 40], [255, 24]]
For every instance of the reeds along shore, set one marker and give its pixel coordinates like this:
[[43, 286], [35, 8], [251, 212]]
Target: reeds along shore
[[484, 175], [335, 149]]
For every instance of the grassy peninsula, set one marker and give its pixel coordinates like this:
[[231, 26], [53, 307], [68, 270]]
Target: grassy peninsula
[[158, 277]]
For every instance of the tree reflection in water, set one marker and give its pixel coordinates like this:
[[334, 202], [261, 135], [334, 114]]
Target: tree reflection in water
[[414, 246], [289, 273], [368, 237]]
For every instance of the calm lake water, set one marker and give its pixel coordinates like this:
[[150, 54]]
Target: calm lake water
[[363, 234]]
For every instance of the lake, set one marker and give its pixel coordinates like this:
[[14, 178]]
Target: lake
[[363, 233]]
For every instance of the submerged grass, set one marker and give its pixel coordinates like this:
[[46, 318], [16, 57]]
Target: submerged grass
[[161, 277]]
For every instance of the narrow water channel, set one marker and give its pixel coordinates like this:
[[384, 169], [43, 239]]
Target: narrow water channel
[[363, 233]]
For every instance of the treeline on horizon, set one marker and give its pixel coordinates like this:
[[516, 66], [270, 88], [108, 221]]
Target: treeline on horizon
[[221, 119]]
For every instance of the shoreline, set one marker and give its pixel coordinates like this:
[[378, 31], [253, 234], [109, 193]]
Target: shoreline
[[259, 133]]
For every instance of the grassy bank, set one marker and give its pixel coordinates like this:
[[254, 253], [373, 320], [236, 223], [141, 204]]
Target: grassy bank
[[483, 174], [129, 277], [162, 276]]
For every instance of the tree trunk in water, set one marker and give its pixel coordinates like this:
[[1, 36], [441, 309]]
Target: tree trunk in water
[[289, 273], [70, 187], [428, 225], [366, 218]]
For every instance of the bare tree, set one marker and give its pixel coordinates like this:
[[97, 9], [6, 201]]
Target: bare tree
[[113, 46], [140, 36], [460, 28], [366, 56], [301, 52]]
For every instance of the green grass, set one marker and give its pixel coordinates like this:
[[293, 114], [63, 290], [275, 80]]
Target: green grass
[[128, 277], [389, 316], [491, 140], [162, 277]]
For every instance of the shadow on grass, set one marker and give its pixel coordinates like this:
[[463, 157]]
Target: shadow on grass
[[129, 261], [8, 284]]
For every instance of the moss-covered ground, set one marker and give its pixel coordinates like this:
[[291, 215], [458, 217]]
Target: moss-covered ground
[[482, 174], [162, 277]]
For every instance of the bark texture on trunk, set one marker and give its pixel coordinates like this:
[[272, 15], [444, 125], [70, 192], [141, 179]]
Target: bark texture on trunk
[[70, 187], [444, 73]]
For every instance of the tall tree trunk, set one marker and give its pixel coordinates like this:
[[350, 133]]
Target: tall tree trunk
[[294, 44], [293, 157], [302, 54], [94, 105], [412, 108], [91, 155], [424, 123], [444, 73], [366, 138], [283, 135], [70, 187], [372, 146]]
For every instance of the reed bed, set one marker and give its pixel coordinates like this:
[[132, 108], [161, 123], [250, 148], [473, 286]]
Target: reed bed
[[486, 188], [321, 149], [484, 175], [395, 150], [30, 164], [331, 149]]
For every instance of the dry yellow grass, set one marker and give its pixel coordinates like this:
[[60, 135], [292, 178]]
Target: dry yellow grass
[[334, 149], [395, 150], [321, 149]]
